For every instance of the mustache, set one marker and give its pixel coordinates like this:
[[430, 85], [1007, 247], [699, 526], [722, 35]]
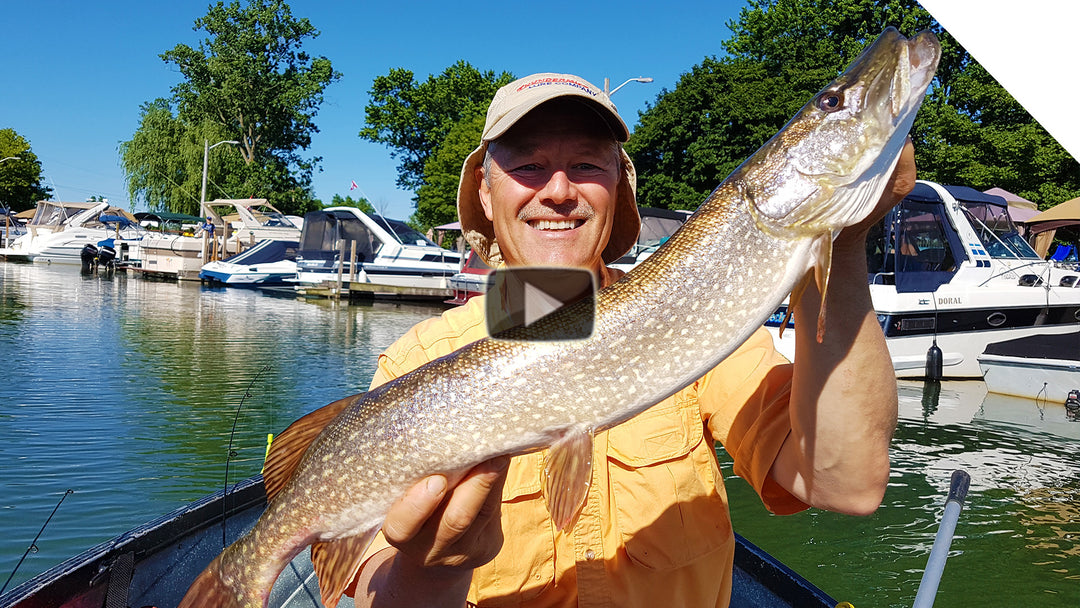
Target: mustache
[[567, 211]]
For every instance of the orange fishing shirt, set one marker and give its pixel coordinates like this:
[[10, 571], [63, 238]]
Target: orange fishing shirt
[[654, 530]]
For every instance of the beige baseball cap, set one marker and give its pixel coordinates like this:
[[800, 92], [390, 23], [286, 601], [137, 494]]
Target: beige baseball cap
[[510, 104]]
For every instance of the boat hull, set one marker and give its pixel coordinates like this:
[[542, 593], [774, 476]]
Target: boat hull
[[154, 564]]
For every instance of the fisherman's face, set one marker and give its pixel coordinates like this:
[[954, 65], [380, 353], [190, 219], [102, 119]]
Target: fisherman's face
[[552, 188]]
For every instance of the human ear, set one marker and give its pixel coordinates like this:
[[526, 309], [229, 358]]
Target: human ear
[[485, 192]]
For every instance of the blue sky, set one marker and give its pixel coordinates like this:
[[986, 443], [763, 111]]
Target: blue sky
[[73, 74]]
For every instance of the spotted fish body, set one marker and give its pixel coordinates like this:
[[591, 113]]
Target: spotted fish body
[[661, 327]]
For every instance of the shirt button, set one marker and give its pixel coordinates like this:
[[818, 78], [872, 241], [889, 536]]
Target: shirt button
[[590, 555]]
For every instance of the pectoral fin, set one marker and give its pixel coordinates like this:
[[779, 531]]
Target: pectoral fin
[[820, 275], [822, 269], [568, 475], [337, 562]]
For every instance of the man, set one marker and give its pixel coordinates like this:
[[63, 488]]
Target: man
[[550, 185]]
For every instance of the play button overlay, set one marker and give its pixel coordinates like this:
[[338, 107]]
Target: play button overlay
[[521, 302]]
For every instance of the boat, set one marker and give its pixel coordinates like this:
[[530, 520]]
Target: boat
[[268, 262], [238, 224], [1039, 366], [657, 226], [59, 232], [344, 250], [947, 266], [472, 280], [154, 564], [13, 228]]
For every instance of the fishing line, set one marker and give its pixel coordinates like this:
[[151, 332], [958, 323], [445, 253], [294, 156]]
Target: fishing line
[[232, 452], [33, 544]]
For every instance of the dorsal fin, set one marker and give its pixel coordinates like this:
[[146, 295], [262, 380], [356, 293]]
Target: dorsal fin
[[287, 449]]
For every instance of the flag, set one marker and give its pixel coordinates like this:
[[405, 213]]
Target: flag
[[352, 185]]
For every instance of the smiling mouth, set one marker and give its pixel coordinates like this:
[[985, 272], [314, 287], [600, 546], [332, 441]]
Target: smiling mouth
[[567, 224]]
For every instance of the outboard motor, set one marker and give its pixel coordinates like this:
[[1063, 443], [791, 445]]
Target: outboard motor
[[106, 256], [1072, 404], [89, 255]]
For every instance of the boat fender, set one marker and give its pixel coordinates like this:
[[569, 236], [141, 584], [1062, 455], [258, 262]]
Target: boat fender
[[933, 362]]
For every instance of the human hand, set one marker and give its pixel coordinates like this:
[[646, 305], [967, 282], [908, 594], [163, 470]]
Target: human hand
[[456, 528]]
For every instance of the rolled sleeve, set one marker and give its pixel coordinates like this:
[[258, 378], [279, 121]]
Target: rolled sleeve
[[746, 399]]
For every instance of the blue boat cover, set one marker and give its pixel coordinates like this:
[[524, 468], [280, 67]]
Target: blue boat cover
[[266, 251]]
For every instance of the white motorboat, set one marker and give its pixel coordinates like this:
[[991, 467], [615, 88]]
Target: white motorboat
[[269, 262], [13, 228], [657, 226], [1038, 366], [948, 265], [376, 255], [60, 232], [238, 225]]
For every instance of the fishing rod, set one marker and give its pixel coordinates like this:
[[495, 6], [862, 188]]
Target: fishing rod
[[935, 564], [232, 452], [33, 543]]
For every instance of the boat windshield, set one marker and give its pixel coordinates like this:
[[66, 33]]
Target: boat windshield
[[53, 213], [270, 217], [405, 233], [998, 233]]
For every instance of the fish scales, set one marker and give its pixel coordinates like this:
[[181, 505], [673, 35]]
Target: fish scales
[[656, 330]]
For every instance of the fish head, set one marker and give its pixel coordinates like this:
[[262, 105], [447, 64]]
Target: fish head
[[826, 169]]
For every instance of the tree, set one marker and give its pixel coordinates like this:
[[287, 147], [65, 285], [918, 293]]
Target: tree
[[20, 173], [361, 203], [436, 199], [415, 119], [248, 81], [969, 131]]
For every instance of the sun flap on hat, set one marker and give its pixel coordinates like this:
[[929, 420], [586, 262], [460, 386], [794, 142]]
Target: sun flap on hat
[[510, 104]]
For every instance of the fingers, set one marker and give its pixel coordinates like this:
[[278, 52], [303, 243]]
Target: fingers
[[459, 527], [411, 511], [902, 180], [475, 499]]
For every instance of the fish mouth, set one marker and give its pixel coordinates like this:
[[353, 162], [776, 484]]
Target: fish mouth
[[557, 225]]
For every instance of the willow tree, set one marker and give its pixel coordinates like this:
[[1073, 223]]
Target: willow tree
[[248, 81]]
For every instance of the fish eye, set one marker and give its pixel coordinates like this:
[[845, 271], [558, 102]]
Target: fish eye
[[830, 101]]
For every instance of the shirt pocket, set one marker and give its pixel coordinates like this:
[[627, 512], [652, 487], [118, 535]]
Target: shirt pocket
[[668, 509], [525, 566]]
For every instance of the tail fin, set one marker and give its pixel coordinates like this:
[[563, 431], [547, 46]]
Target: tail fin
[[337, 562], [209, 590]]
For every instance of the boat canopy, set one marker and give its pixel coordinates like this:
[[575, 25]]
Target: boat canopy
[[915, 247], [327, 233], [265, 252]]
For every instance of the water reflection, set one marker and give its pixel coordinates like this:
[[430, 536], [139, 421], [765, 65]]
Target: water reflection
[[126, 389], [1019, 531]]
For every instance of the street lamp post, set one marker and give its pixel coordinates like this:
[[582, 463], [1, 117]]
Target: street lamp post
[[202, 199], [10, 158], [205, 162], [607, 84]]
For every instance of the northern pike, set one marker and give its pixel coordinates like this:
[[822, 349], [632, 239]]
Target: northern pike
[[765, 229]]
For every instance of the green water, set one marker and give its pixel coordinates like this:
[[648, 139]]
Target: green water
[[127, 391], [1017, 542]]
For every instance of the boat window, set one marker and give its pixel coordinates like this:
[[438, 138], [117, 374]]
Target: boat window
[[997, 232], [914, 248], [405, 233]]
